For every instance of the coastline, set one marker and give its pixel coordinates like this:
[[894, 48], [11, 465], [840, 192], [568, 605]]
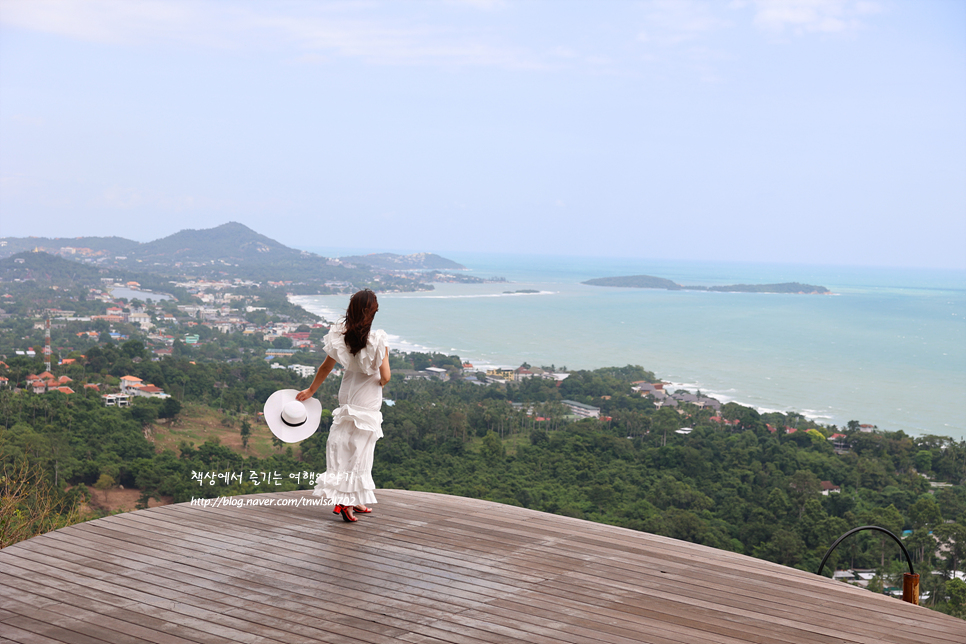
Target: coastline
[[889, 349], [724, 396]]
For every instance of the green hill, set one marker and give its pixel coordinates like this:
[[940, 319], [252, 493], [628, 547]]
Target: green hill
[[647, 281], [416, 261], [231, 242], [98, 245], [635, 281], [787, 287], [231, 250], [50, 270]]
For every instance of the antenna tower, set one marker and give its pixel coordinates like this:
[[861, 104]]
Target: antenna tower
[[47, 341]]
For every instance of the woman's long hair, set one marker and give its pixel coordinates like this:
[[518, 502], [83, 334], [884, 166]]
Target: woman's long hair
[[358, 319]]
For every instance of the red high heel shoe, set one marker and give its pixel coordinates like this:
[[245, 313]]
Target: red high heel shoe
[[363, 511], [337, 509], [345, 515]]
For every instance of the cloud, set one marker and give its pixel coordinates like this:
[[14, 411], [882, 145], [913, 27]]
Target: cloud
[[802, 16], [486, 5], [671, 22], [15, 181], [127, 198], [316, 32], [686, 34], [100, 20]]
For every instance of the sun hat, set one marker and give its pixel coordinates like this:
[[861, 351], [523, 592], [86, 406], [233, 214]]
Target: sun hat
[[292, 421]]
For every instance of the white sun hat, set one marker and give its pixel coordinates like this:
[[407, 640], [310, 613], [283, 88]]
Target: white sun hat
[[292, 421]]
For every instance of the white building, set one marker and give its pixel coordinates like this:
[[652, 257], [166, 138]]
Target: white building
[[303, 370], [116, 400], [581, 410]]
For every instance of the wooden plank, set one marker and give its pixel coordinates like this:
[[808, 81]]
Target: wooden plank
[[263, 569], [83, 626], [382, 583], [221, 610], [427, 568], [374, 571], [21, 636], [263, 601], [823, 580], [30, 605], [846, 620], [202, 619], [63, 601], [849, 622], [53, 631]]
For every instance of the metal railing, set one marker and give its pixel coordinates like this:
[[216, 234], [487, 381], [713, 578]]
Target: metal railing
[[910, 580]]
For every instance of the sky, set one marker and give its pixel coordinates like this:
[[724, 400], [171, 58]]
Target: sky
[[790, 131]]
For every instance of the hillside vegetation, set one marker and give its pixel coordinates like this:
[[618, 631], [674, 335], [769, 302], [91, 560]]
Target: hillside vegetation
[[732, 485]]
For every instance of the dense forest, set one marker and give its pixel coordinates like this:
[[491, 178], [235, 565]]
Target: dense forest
[[731, 483]]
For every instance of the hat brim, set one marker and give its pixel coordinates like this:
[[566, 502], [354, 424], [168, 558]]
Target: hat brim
[[286, 433]]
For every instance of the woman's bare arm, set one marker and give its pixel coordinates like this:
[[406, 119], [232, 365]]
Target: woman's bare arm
[[384, 374], [324, 370]]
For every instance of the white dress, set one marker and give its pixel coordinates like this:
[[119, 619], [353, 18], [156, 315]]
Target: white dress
[[356, 424]]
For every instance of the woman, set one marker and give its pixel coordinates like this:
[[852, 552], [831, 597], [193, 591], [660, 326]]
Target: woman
[[357, 423]]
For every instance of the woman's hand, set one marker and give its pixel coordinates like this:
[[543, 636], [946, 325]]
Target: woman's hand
[[320, 377]]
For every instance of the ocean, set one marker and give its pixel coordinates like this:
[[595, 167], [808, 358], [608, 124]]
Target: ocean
[[887, 348]]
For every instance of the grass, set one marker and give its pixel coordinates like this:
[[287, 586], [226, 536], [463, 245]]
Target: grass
[[511, 443], [198, 423]]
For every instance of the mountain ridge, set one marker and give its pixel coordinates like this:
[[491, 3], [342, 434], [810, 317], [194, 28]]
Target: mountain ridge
[[231, 249], [415, 261]]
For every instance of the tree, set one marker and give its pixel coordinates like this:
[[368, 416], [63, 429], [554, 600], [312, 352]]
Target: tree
[[133, 349], [246, 432], [921, 544], [180, 350], [492, 448], [785, 547], [666, 419], [956, 588], [29, 506], [144, 411], [803, 486], [953, 537], [170, 408], [778, 504], [889, 518], [925, 512], [281, 342], [876, 585]]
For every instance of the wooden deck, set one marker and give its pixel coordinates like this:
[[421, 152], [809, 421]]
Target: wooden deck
[[422, 568]]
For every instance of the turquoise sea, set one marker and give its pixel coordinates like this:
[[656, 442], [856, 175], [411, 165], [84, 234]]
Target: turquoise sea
[[887, 348]]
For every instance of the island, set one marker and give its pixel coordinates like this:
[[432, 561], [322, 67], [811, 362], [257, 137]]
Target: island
[[648, 281]]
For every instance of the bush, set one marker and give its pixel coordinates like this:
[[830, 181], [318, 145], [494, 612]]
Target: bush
[[104, 482], [169, 408]]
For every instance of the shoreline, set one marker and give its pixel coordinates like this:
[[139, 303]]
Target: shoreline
[[819, 417]]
